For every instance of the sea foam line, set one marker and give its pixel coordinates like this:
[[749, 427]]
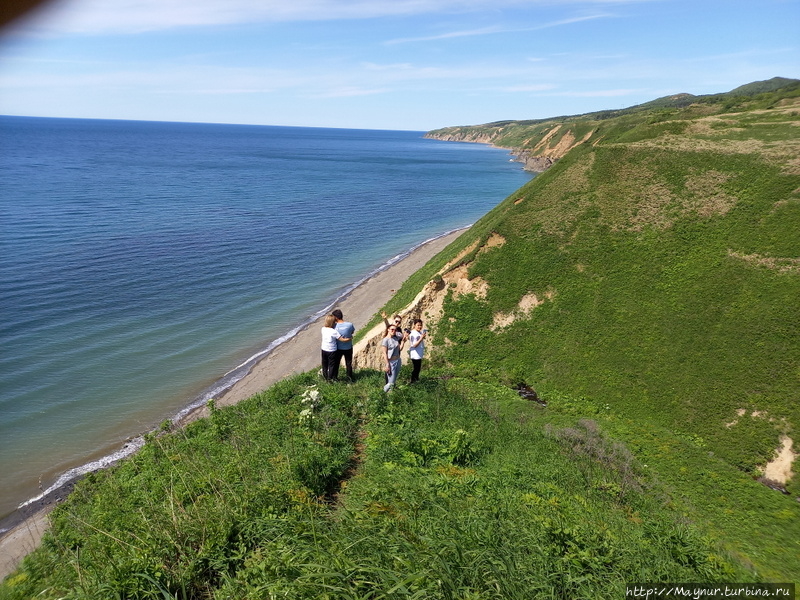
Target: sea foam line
[[129, 448]]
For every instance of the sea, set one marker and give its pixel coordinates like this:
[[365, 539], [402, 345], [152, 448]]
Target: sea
[[144, 266]]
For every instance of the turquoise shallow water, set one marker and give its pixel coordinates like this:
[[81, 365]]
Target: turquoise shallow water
[[141, 262]]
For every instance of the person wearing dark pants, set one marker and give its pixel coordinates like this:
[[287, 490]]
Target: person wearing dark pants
[[344, 346], [416, 347], [328, 348]]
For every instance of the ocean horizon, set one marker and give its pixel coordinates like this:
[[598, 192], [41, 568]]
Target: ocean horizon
[[147, 265]]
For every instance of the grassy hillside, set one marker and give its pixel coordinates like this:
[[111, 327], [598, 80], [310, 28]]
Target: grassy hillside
[[665, 252], [647, 286], [450, 489], [554, 137]]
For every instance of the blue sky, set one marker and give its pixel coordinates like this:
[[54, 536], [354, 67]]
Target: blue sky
[[383, 64]]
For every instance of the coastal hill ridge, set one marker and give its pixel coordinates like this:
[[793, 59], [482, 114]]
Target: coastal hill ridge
[[538, 143]]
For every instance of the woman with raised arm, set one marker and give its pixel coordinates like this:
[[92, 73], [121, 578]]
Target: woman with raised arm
[[390, 351]]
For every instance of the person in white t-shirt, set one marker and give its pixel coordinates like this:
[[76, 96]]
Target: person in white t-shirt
[[416, 347], [329, 338]]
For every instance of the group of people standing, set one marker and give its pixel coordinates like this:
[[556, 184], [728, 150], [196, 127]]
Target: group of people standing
[[337, 342], [394, 338]]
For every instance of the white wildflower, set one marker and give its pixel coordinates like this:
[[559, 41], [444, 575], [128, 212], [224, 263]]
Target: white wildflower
[[311, 396], [306, 416]]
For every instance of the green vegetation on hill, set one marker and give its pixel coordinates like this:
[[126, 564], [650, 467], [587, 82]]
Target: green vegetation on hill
[[452, 488], [647, 286], [665, 252], [528, 134]]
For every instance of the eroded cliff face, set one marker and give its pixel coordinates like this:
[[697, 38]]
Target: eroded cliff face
[[464, 135], [534, 164], [538, 152], [428, 304]]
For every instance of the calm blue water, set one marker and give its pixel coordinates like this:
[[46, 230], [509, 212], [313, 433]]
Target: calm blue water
[[140, 262]]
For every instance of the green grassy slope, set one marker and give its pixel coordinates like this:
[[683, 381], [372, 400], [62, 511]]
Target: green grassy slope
[[667, 255], [660, 262], [526, 134], [449, 489]]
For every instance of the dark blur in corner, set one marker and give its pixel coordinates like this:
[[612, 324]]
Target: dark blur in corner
[[10, 10]]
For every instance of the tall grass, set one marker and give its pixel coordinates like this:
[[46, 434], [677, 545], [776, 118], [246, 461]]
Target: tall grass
[[449, 489]]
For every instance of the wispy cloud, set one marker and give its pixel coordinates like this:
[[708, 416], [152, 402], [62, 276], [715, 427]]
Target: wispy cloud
[[349, 92], [168, 80], [494, 30], [449, 35], [598, 93], [540, 87], [746, 54], [371, 66], [137, 16]]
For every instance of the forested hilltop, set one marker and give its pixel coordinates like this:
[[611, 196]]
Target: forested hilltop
[[612, 397]]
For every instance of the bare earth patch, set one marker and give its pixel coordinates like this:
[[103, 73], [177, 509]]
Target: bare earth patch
[[495, 241], [461, 255], [543, 143], [780, 468], [739, 413], [782, 265], [526, 304], [567, 143], [428, 303]]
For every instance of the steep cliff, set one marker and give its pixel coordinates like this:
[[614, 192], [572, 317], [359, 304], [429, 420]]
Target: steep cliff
[[537, 147]]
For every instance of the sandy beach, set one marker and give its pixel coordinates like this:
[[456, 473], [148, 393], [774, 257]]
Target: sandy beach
[[299, 354]]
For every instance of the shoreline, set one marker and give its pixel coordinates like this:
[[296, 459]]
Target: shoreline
[[295, 352]]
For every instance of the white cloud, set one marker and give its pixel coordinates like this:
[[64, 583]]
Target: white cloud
[[746, 54], [168, 80], [448, 35], [497, 30], [599, 93], [349, 92], [136, 16], [370, 66], [540, 87]]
